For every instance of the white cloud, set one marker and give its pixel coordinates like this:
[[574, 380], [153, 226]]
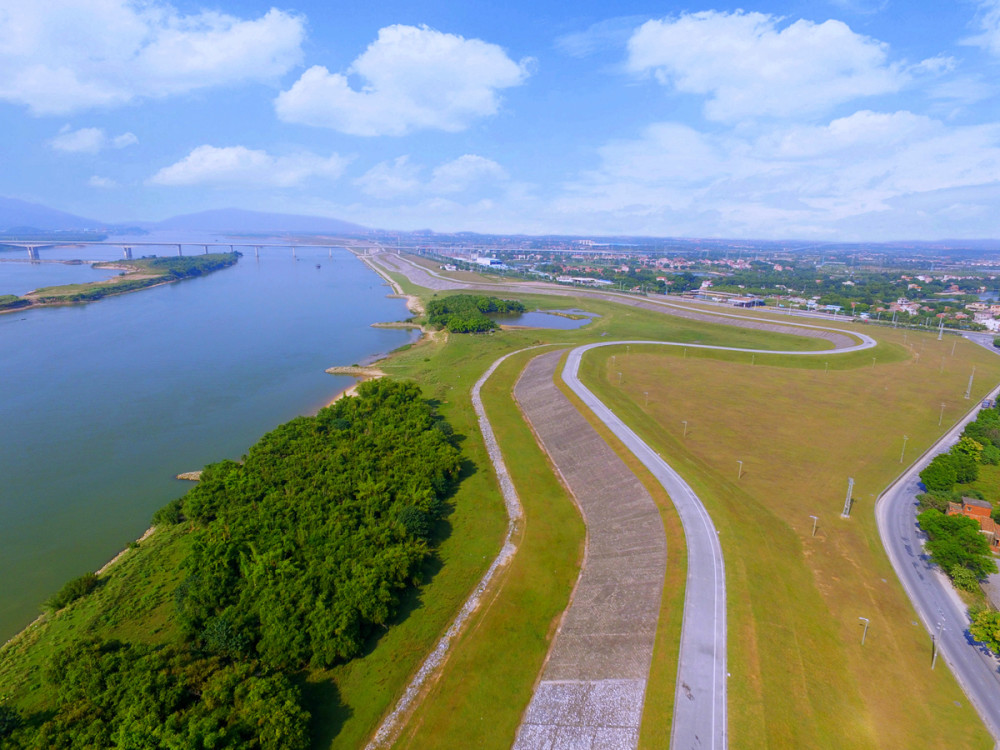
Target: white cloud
[[89, 140], [808, 181], [102, 182], [465, 172], [415, 78], [62, 56], [389, 179], [84, 140], [468, 173], [239, 166], [988, 21], [124, 140], [749, 67]]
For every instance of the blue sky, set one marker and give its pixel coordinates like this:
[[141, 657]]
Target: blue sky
[[846, 119]]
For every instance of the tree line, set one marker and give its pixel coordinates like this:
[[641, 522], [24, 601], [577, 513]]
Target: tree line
[[955, 542], [467, 313], [301, 554]]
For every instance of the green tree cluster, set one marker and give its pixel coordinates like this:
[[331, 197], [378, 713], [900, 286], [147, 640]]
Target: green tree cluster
[[467, 313], [985, 628], [72, 591], [301, 552], [304, 548], [956, 544], [979, 444], [114, 694]]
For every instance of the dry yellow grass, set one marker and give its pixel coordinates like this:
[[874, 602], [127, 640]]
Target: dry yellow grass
[[800, 677]]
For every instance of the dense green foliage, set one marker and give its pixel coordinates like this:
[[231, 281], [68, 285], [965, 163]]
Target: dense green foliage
[[299, 554], [72, 591], [305, 547], [12, 301], [113, 694], [979, 444], [955, 541], [466, 313], [162, 269], [986, 628]]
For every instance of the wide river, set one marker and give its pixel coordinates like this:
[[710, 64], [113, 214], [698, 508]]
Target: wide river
[[101, 405]]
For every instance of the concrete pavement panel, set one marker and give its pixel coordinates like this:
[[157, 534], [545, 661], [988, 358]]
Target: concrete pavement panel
[[593, 684]]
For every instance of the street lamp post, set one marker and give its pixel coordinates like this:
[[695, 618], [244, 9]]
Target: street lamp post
[[865, 633], [905, 438], [646, 393], [941, 415], [685, 423], [739, 474], [815, 519]]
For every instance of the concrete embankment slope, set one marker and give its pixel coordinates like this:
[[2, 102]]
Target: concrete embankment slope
[[593, 683]]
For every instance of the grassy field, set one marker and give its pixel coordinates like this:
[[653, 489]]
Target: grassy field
[[800, 677], [479, 699], [492, 670]]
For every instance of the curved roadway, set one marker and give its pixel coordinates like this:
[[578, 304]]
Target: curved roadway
[[700, 703], [941, 611]]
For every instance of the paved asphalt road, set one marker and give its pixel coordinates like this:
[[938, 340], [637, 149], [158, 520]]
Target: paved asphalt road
[[700, 703], [976, 669]]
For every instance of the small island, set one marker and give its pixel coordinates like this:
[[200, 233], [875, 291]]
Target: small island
[[136, 274]]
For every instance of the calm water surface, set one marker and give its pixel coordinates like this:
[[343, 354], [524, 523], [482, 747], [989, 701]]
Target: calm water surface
[[102, 404], [22, 277]]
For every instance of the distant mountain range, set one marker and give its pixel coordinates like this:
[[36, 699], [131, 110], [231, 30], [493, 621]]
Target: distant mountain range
[[17, 215], [22, 217]]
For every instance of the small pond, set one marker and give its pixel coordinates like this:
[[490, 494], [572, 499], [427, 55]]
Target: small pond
[[559, 319]]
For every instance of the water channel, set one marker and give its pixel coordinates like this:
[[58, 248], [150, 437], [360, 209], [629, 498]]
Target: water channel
[[101, 405]]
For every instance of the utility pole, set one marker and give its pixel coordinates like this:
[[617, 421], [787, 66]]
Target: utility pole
[[847, 502], [934, 645], [941, 330]]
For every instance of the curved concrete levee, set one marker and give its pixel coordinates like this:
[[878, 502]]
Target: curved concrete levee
[[700, 707], [699, 719], [592, 687]]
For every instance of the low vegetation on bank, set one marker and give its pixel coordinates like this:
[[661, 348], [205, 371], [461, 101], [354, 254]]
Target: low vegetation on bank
[[468, 313], [299, 555], [136, 274]]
